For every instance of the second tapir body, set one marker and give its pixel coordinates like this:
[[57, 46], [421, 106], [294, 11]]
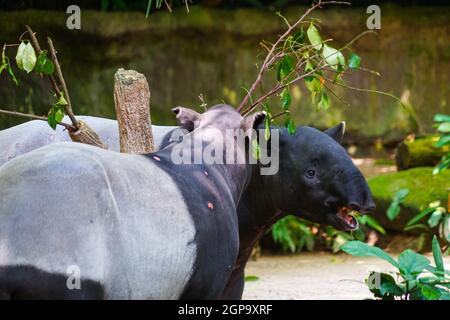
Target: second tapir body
[[315, 180], [130, 226]]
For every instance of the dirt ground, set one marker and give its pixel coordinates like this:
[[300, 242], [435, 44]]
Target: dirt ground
[[312, 276]]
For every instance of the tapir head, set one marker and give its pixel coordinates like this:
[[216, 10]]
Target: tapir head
[[220, 116], [317, 179], [214, 128]]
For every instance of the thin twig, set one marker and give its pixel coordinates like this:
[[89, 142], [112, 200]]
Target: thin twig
[[33, 116], [281, 38], [368, 90], [167, 5], [59, 74], [279, 115], [336, 96], [37, 48]]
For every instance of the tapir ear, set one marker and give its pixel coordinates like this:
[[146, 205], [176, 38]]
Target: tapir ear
[[187, 118], [337, 132], [253, 120]]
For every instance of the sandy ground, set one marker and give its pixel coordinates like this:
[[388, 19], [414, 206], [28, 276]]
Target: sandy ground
[[313, 276]]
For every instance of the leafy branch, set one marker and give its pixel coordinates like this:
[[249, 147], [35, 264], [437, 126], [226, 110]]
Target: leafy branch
[[300, 54], [30, 57]]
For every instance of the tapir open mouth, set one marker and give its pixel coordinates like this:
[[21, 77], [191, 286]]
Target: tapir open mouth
[[347, 216]]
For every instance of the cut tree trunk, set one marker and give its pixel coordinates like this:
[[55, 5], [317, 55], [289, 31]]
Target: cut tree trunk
[[419, 152], [132, 102]]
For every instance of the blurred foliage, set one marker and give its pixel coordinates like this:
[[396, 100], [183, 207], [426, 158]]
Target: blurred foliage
[[141, 5], [293, 234], [443, 126]]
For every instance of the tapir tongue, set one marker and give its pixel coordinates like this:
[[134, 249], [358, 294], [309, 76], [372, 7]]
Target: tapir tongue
[[346, 215]]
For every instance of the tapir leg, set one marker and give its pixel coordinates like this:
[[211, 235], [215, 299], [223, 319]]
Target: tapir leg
[[26, 282]]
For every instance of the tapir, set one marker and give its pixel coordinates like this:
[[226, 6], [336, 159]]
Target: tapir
[[34, 134], [124, 226], [316, 180]]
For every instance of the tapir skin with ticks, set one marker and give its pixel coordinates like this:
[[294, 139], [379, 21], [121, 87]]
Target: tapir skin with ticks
[[316, 180]]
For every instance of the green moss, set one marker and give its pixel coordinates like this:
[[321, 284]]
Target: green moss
[[384, 162], [419, 153], [423, 186]]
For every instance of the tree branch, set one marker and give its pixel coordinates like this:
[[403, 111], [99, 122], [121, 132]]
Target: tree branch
[[269, 58], [59, 74], [32, 116], [37, 48]]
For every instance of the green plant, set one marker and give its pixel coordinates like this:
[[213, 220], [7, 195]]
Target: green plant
[[301, 54], [415, 278], [293, 234], [443, 126], [31, 58], [437, 217], [251, 278], [394, 208]]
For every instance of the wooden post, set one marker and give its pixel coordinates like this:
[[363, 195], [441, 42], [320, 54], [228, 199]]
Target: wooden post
[[132, 101]]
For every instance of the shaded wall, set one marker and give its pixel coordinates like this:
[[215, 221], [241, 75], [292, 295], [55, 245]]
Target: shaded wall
[[213, 52]]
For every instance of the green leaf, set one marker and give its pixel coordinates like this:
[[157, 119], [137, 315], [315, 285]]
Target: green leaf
[[299, 37], [324, 102], [59, 115], [314, 36], [419, 216], [443, 140], [444, 127], [333, 57], [28, 58], [361, 249], [149, 5], [285, 99], [267, 127], [374, 224], [313, 84], [285, 67], [383, 285], [309, 66], [401, 194], [51, 119], [341, 239], [437, 255], [11, 73], [44, 64], [435, 218], [446, 228], [251, 278], [441, 118], [393, 210], [411, 262], [61, 101], [291, 127], [354, 61], [430, 292], [19, 55], [256, 149]]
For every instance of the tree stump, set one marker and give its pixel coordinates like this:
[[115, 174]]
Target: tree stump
[[132, 103], [419, 152]]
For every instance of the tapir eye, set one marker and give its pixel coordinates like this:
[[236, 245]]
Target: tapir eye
[[310, 173]]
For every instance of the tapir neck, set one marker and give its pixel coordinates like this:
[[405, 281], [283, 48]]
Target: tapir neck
[[256, 214]]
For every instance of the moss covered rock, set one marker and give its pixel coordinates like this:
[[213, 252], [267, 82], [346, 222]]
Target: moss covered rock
[[423, 186], [419, 152]]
